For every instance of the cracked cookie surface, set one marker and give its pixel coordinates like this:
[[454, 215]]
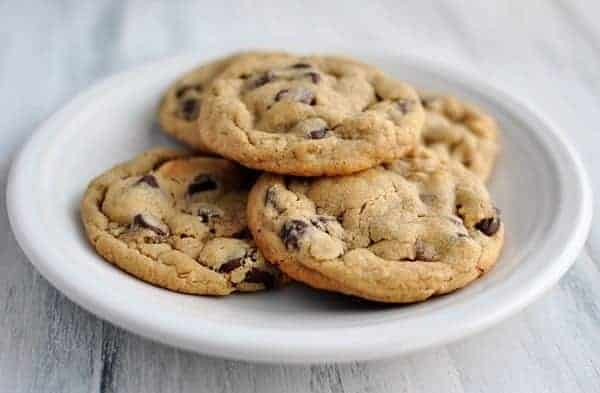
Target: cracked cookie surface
[[178, 222], [400, 232], [460, 131], [309, 116]]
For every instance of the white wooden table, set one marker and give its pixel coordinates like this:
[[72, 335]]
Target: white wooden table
[[545, 51]]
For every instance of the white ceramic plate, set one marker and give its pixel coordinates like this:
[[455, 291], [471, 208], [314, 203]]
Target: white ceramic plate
[[539, 184]]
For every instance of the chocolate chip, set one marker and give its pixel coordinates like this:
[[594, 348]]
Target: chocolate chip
[[201, 183], [252, 254], [270, 200], [230, 265], [458, 212], [300, 65], [318, 134], [297, 94], [314, 77], [263, 79], [190, 109], [291, 232], [145, 221], [404, 106], [488, 226], [149, 180], [204, 217], [378, 97], [207, 214], [257, 276]]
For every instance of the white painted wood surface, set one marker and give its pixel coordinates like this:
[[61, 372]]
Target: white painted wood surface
[[545, 51]]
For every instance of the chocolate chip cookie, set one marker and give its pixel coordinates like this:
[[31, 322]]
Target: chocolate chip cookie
[[400, 232], [309, 116], [178, 222], [180, 105], [461, 131]]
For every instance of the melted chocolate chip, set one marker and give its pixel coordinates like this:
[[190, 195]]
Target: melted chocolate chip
[[314, 77], [190, 109], [300, 65], [488, 226], [230, 265], [291, 232], [263, 79], [318, 134], [378, 97], [149, 180], [257, 276], [201, 183], [140, 221]]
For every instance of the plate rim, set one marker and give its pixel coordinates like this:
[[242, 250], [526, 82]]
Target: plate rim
[[231, 345]]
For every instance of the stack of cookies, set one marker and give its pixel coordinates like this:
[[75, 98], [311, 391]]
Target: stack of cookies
[[318, 169]]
